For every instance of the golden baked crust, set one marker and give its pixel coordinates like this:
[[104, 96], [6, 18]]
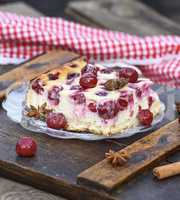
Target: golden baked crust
[[74, 66]]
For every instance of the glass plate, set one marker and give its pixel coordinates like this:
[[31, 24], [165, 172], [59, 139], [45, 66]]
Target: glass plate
[[14, 107]]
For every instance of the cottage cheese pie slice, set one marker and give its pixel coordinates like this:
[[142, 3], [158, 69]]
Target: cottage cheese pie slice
[[89, 97]]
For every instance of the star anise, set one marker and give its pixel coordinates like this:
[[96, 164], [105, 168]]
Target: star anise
[[40, 112], [115, 84], [117, 158]]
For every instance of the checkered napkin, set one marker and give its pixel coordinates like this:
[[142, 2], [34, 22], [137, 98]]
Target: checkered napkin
[[24, 37]]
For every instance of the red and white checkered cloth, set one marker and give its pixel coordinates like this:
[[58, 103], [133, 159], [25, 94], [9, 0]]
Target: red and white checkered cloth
[[24, 37]]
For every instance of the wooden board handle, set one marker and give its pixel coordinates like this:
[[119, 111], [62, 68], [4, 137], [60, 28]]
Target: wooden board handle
[[31, 69], [143, 153]]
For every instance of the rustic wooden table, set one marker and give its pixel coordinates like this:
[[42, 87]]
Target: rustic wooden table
[[127, 16], [11, 190]]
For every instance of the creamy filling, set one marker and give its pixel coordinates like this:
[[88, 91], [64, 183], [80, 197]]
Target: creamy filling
[[80, 118]]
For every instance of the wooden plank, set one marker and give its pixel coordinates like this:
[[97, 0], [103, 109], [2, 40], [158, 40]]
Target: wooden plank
[[31, 69], [143, 153], [58, 162], [122, 15], [8, 188], [56, 165]]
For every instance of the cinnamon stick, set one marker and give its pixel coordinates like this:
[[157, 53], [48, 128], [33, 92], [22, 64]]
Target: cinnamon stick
[[166, 171]]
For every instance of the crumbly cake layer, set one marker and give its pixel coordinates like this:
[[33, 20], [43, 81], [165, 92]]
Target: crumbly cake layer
[[61, 90]]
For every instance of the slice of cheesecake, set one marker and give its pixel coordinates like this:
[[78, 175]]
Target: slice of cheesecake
[[90, 97]]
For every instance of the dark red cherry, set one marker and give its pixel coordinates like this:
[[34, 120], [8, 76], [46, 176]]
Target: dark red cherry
[[89, 69], [129, 73], [145, 117], [108, 109], [78, 97], [92, 107], [26, 147], [37, 86], [88, 80], [122, 103], [53, 95], [53, 76], [56, 121]]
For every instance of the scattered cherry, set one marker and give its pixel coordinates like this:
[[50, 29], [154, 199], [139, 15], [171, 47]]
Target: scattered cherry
[[88, 80], [56, 121], [145, 117], [78, 97], [129, 73], [26, 147], [89, 69], [92, 107], [108, 109], [37, 87], [53, 76]]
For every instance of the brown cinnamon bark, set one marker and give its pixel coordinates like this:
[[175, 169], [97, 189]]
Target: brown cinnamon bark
[[166, 171]]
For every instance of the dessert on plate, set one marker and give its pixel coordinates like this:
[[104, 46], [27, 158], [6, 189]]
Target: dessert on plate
[[80, 96]]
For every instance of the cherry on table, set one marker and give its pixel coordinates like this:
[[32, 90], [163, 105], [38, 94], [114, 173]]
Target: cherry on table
[[26, 147]]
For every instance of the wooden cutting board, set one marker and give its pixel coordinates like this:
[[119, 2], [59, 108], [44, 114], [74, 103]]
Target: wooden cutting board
[[143, 153], [75, 169], [31, 69]]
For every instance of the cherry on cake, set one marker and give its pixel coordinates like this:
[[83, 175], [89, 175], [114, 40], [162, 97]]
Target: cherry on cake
[[90, 97]]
